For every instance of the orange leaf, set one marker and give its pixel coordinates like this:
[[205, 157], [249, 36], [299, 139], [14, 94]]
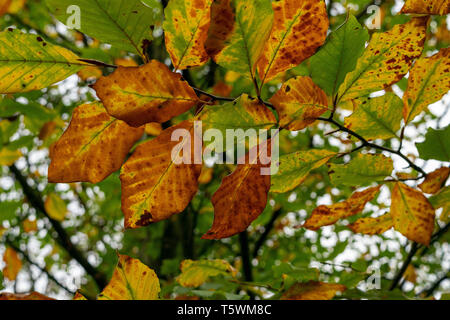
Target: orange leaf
[[28, 296], [435, 180], [299, 28], [313, 290], [372, 226], [29, 225], [326, 215], [241, 197], [299, 102], [441, 7], [154, 187], [93, 146], [149, 93], [13, 264], [412, 213]]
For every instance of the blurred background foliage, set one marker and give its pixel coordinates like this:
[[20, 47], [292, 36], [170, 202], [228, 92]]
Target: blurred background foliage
[[271, 254]]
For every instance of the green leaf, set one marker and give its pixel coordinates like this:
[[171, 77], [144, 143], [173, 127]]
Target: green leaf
[[440, 199], [376, 118], [295, 167], [338, 56], [125, 24], [195, 273], [8, 210], [242, 46], [436, 145], [362, 170], [28, 62], [244, 113]]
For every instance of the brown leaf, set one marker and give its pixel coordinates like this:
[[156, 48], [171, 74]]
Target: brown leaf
[[299, 102], [326, 215], [372, 226], [153, 186], [412, 213], [441, 7], [435, 180], [28, 296], [241, 197], [299, 28], [13, 264], [149, 93], [92, 147]]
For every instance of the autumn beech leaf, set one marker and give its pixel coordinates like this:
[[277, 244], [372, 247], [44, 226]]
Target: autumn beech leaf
[[312, 290], [78, 296], [131, 280], [242, 196], [428, 81], [338, 55], [186, 27], [24, 296], [428, 150], [412, 213], [299, 28], [8, 157], [55, 207], [126, 25], [325, 215], [361, 170], [157, 185], [29, 225], [28, 62], [372, 226], [441, 7], [13, 264], [238, 45], [92, 147], [195, 273], [376, 118], [295, 167], [435, 180], [299, 102], [386, 59], [244, 113], [149, 93]]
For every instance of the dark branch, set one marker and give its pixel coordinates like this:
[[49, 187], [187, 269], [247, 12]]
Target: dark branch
[[267, 228]]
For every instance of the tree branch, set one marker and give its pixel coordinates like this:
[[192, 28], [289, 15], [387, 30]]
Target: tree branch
[[63, 238], [267, 228]]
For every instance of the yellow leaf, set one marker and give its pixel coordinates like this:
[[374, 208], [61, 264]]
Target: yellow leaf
[[299, 28], [29, 225], [435, 180], [149, 93], [441, 7], [325, 215], [55, 207], [28, 62], [241, 197], [8, 157], [299, 102], [13, 264], [185, 30], [206, 175], [412, 213], [195, 273], [313, 290], [16, 6], [428, 81], [131, 280], [154, 186], [386, 59], [93, 146], [372, 226], [28, 296], [153, 129]]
